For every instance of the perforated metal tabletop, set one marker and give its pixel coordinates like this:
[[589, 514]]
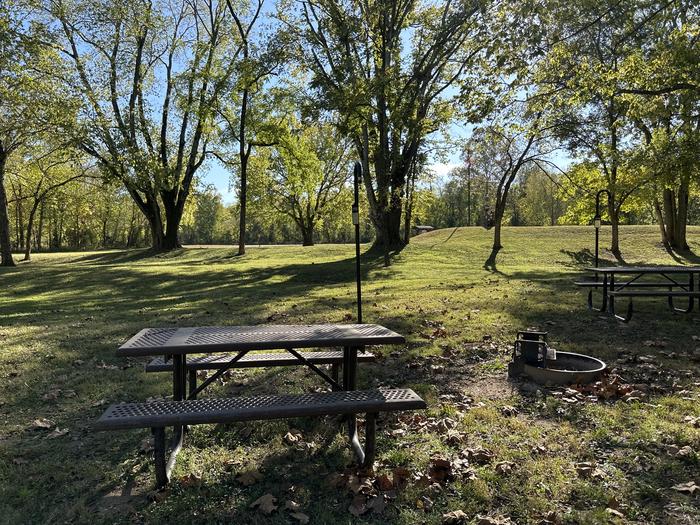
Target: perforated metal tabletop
[[159, 341]]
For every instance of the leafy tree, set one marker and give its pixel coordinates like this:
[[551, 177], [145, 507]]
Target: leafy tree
[[665, 107], [586, 44], [31, 102], [150, 74], [540, 201], [390, 70], [245, 111], [307, 172], [502, 151], [41, 172]]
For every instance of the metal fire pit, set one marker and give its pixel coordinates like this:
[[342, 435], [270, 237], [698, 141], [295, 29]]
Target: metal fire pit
[[532, 357]]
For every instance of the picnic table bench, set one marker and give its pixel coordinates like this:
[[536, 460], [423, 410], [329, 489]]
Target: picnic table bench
[[175, 344], [668, 283]]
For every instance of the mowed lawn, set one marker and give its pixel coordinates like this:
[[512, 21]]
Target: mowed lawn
[[513, 451]]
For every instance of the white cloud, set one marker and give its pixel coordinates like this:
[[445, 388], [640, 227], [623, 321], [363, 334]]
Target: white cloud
[[442, 169]]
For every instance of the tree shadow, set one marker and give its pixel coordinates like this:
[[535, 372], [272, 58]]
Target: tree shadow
[[682, 256], [585, 258]]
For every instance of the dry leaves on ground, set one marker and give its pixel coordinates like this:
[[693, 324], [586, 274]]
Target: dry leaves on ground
[[42, 423], [57, 432], [689, 488], [265, 504], [456, 517], [588, 470]]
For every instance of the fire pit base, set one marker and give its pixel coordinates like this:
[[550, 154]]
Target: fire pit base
[[567, 369]]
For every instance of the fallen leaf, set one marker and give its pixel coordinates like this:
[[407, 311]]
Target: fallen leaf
[[440, 470], [57, 433], [487, 520], [41, 423], [249, 477], [686, 488], [401, 476], [505, 467], [292, 437], [456, 517], [300, 517], [265, 504], [509, 411], [384, 483], [478, 455], [614, 512]]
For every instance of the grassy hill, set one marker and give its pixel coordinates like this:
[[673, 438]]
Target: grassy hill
[[63, 315]]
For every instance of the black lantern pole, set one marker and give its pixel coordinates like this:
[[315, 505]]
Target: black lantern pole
[[597, 223], [357, 174]]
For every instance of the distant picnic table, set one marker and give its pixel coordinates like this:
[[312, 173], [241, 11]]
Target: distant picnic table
[[174, 345], [669, 282]]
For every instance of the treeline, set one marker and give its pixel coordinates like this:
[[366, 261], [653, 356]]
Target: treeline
[[134, 99]]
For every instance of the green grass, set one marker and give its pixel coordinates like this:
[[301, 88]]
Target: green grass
[[63, 315]]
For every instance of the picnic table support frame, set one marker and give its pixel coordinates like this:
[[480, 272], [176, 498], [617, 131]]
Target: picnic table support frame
[[670, 287]]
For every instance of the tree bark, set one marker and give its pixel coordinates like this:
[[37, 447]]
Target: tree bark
[[30, 227], [40, 227], [243, 202], [674, 218], [5, 243], [658, 213], [307, 236]]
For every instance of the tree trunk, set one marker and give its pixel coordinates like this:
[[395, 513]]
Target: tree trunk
[[5, 243], [681, 241], [243, 200], [614, 215], [497, 224], [19, 219], [307, 235], [675, 216], [40, 226], [660, 221], [30, 227]]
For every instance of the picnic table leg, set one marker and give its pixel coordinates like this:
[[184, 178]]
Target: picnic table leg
[[611, 300], [370, 439], [350, 383], [691, 299], [165, 466], [604, 305], [160, 458]]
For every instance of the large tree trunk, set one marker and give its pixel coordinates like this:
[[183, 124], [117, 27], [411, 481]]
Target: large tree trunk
[[307, 235], [675, 216], [5, 243]]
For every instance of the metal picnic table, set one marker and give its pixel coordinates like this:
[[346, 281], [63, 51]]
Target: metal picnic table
[[178, 343], [673, 281]]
